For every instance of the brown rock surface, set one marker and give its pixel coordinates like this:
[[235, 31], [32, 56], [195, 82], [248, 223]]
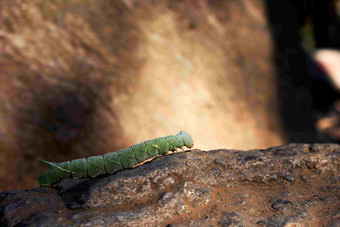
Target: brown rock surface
[[295, 184]]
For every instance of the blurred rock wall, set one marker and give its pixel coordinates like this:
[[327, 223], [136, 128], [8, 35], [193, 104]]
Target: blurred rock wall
[[81, 78]]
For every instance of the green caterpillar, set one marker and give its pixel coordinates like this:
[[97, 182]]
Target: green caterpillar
[[113, 162]]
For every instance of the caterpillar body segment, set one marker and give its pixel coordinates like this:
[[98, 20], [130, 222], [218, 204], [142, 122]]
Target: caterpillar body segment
[[141, 152], [161, 145], [78, 168], [151, 148], [127, 157], [172, 141], [112, 162], [95, 166]]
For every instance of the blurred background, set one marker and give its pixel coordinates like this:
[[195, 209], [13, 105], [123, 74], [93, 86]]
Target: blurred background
[[306, 38], [85, 77]]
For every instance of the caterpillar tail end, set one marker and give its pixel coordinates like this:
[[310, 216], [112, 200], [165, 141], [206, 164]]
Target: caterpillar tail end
[[47, 162], [44, 179]]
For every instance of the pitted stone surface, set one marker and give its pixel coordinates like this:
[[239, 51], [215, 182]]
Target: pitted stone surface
[[295, 184]]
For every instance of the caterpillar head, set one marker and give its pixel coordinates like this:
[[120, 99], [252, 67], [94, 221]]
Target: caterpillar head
[[188, 142]]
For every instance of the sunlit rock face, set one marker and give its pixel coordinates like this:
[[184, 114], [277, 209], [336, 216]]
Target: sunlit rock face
[[90, 77]]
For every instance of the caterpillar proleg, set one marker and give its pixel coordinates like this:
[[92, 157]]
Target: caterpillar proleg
[[112, 162]]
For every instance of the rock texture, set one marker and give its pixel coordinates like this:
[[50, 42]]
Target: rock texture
[[290, 185]]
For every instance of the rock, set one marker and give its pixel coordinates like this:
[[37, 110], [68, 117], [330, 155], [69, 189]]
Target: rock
[[294, 184]]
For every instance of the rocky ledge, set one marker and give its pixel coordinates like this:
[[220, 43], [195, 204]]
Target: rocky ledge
[[290, 185]]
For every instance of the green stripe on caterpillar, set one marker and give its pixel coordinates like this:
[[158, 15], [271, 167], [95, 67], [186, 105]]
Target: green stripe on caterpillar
[[112, 162]]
